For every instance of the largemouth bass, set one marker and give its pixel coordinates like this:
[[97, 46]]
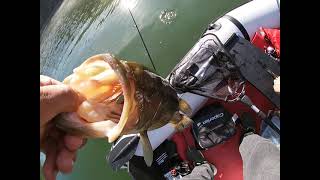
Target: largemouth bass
[[122, 97]]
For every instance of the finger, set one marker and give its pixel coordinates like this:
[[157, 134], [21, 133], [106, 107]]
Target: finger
[[84, 142], [49, 167], [73, 143], [56, 99], [49, 135], [74, 157], [65, 160], [46, 81]]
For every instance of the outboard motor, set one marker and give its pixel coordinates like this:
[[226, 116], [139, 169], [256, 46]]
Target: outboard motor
[[223, 56], [223, 59]]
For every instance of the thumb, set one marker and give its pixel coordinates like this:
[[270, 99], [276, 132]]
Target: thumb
[[55, 99]]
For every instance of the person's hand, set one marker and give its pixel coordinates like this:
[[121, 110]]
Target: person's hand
[[276, 85], [59, 147]]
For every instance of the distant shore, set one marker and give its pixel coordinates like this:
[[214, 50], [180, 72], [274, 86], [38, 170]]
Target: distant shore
[[47, 9]]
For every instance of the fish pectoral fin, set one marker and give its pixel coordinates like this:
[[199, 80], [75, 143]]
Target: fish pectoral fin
[[185, 107], [147, 148]]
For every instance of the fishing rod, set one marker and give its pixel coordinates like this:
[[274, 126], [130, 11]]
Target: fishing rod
[[144, 44]]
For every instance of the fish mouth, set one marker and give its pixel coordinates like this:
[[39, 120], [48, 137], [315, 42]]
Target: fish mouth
[[106, 111], [128, 91]]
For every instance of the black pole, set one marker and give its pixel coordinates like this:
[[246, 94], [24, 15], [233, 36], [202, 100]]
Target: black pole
[[144, 44]]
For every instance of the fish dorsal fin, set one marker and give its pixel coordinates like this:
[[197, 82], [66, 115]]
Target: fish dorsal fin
[[147, 148]]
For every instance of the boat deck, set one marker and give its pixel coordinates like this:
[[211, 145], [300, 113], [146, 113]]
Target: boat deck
[[226, 157]]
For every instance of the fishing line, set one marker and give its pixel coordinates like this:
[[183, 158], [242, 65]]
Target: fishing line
[[144, 44]]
